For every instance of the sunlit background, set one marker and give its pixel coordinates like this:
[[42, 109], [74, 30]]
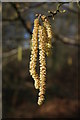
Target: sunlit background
[[19, 94]]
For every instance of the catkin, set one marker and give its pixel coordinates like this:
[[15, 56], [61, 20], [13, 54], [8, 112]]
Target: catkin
[[34, 51], [42, 39], [42, 34], [49, 34]]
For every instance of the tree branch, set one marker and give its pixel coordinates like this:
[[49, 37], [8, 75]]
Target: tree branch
[[57, 10], [59, 37], [71, 10], [20, 17], [66, 40], [10, 20]]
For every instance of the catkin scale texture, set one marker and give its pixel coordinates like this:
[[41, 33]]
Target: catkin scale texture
[[42, 39], [34, 51], [47, 25], [42, 34]]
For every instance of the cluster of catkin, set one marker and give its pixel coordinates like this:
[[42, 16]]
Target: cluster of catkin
[[41, 38]]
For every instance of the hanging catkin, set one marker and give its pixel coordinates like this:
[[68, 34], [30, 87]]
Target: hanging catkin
[[42, 39], [34, 51], [42, 34], [47, 25]]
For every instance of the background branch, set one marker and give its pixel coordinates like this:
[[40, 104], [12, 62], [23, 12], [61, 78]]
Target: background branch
[[52, 15], [67, 40], [20, 17], [10, 20]]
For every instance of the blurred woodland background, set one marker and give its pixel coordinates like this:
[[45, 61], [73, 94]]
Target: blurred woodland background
[[19, 95]]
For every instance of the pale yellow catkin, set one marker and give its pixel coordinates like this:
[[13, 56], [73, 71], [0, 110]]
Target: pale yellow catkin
[[44, 34], [47, 25], [34, 51], [42, 40]]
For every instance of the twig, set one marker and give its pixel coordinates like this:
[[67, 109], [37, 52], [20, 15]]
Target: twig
[[66, 40], [71, 10], [10, 20], [57, 10], [52, 14], [20, 17]]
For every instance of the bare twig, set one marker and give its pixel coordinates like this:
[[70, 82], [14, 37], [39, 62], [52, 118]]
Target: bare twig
[[9, 54], [52, 14], [71, 10], [66, 40], [20, 17], [10, 20]]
